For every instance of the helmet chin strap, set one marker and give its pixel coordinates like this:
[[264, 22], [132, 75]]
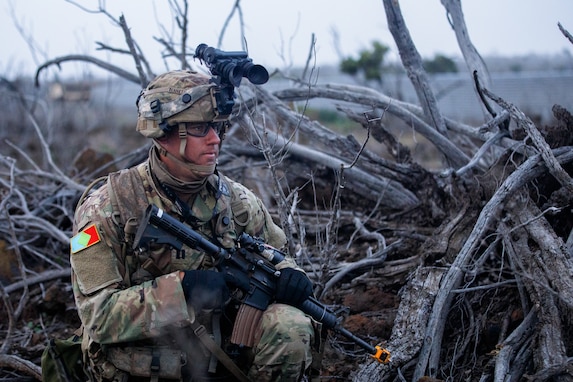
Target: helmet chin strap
[[200, 171]]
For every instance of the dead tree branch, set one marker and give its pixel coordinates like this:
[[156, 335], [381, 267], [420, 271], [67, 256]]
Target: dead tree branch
[[412, 62], [19, 364], [429, 354], [99, 63]]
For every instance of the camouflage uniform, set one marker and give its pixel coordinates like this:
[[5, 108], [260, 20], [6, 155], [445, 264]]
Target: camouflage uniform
[[136, 321]]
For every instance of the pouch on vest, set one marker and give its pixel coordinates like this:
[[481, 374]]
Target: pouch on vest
[[62, 361], [148, 361]]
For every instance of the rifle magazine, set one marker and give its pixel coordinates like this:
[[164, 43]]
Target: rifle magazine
[[246, 326]]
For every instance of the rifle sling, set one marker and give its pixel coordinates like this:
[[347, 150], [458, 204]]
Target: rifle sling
[[216, 350]]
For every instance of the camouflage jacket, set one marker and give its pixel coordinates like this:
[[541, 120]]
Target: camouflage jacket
[[124, 297]]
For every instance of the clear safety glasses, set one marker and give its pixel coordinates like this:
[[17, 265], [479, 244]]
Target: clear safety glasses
[[201, 129]]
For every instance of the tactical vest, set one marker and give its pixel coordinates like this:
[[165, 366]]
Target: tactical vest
[[128, 211]]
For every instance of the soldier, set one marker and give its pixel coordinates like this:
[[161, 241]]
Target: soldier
[[152, 315]]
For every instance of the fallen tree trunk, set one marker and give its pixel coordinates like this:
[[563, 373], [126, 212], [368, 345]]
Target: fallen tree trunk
[[431, 352], [546, 274]]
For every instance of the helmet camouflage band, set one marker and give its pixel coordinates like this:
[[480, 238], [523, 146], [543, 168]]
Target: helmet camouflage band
[[174, 97]]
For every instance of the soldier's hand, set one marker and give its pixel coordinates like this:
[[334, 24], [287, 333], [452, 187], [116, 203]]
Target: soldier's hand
[[293, 287], [205, 289]]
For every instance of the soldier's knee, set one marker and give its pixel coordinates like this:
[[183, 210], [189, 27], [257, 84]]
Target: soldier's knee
[[286, 334]]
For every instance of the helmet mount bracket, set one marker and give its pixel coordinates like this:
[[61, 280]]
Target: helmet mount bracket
[[227, 70]]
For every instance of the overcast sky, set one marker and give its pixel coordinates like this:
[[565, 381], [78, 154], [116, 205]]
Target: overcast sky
[[278, 33]]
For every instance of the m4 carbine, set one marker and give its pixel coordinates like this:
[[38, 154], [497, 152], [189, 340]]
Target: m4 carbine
[[251, 260]]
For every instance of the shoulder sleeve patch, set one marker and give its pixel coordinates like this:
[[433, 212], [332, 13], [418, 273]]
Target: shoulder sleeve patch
[[95, 268], [84, 239]]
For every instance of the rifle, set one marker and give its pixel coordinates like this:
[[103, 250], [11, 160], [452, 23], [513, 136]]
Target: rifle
[[252, 259]]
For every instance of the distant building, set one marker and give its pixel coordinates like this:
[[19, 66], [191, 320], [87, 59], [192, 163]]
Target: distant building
[[74, 92]]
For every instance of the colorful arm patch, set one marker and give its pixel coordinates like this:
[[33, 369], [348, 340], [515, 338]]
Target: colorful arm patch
[[84, 239]]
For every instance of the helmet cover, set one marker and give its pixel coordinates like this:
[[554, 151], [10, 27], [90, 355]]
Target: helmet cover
[[175, 97]]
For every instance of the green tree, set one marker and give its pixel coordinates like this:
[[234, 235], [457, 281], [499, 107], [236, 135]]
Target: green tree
[[369, 62], [440, 64]]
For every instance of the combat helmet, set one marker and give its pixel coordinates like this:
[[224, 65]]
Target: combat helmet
[[174, 97]]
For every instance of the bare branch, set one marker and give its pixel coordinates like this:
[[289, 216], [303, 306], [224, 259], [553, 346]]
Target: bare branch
[[413, 64], [75, 57], [539, 142], [17, 363], [373, 99], [142, 77], [565, 33], [473, 60], [236, 7]]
